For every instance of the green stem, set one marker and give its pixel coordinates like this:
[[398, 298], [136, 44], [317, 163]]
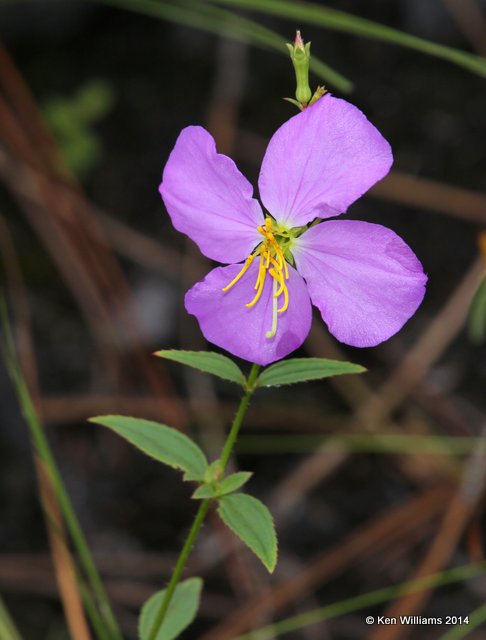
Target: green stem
[[238, 419], [44, 452], [205, 504], [181, 563], [97, 622]]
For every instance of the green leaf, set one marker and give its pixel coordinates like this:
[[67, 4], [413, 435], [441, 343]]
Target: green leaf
[[181, 612], [203, 492], [207, 361], [228, 485], [303, 369], [161, 442], [251, 521], [233, 482]]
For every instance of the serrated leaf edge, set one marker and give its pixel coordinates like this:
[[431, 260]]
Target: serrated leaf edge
[[276, 366], [240, 380], [187, 475], [268, 567]]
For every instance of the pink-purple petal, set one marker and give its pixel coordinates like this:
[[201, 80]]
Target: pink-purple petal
[[364, 279], [226, 321], [320, 161], [209, 200]]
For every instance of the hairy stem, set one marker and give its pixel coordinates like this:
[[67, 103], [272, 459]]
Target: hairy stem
[[204, 506]]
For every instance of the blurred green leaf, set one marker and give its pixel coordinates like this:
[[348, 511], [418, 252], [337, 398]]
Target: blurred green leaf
[[476, 323], [318, 15], [207, 361], [252, 522], [160, 442], [180, 614], [71, 119], [202, 15], [303, 369], [94, 101]]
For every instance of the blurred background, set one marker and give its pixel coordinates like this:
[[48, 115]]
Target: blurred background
[[372, 480]]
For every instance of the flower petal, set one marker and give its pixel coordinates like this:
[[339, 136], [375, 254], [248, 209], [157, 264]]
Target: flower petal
[[226, 321], [364, 279], [209, 200], [320, 161]]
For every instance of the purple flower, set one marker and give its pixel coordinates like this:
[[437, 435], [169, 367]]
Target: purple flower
[[363, 278]]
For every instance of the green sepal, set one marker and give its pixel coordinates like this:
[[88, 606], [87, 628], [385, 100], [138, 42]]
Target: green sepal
[[304, 369], [206, 361], [318, 93], [252, 522], [164, 444], [180, 614], [294, 102]]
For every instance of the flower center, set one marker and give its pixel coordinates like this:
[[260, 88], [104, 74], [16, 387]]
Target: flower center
[[276, 241]]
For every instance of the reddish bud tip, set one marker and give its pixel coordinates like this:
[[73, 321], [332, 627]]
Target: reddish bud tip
[[299, 43]]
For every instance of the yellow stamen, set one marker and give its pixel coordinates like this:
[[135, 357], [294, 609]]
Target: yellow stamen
[[268, 255], [272, 261], [276, 265], [286, 300], [261, 270], [246, 266], [258, 293], [281, 282]]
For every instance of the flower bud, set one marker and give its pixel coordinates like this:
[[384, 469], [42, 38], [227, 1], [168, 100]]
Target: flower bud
[[300, 56]]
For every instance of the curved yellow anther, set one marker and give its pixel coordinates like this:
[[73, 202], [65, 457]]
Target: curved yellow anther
[[286, 300], [272, 261], [282, 286], [258, 293], [261, 270], [245, 267]]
